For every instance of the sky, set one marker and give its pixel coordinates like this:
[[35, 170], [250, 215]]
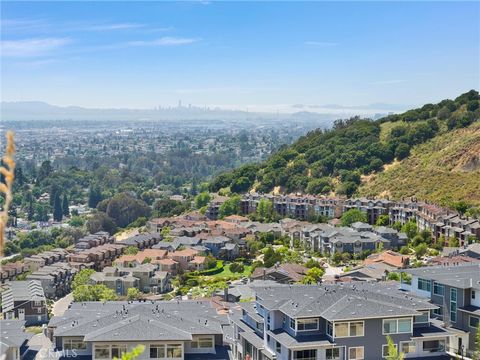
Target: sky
[[262, 56]]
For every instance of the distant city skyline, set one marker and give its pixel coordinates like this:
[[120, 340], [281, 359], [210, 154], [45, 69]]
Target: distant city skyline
[[264, 57]]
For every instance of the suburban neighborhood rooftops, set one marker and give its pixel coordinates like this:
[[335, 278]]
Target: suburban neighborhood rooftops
[[30, 290]]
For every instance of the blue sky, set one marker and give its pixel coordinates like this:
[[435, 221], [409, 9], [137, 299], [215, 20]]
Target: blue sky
[[261, 56]]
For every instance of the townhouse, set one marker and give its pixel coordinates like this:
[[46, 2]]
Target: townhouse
[[45, 258], [456, 292], [96, 258], [169, 330], [55, 279], [94, 240], [145, 277], [142, 241], [10, 271], [25, 301], [343, 321]]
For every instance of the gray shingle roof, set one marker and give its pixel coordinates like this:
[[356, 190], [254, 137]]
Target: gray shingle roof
[[358, 300], [22, 291], [460, 276], [137, 321]]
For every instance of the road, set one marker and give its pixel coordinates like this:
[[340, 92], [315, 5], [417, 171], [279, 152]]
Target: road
[[61, 305]]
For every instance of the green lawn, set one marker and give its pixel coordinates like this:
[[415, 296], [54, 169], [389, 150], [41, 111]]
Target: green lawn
[[227, 273]]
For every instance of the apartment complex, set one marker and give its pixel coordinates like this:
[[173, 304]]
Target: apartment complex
[[336, 322]]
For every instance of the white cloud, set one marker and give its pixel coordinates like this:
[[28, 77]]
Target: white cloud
[[114, 26], [321, 43], [31, 47], [164, 41]]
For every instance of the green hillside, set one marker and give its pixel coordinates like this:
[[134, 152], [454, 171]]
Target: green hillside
[[445, 169], [351, 157]]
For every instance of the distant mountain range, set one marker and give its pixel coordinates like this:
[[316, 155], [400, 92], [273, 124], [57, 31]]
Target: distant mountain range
[[36, 110]]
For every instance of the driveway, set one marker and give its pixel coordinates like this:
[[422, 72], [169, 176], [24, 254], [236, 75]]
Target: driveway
[[61, 305]]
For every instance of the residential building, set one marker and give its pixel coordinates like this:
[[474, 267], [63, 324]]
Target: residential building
[[456, 291], [342, 321], [55, 279], [168, 330], [281, 273], [25, 301]]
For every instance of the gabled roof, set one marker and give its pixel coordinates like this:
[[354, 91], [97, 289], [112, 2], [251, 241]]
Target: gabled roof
[[30, 290], [356, 300], [461, 276]]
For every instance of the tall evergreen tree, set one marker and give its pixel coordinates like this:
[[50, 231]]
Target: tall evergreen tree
[[57, 208], [65, 210], [94, 196]]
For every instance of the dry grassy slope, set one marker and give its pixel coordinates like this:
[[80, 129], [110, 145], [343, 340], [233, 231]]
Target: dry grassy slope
[[445, 169]]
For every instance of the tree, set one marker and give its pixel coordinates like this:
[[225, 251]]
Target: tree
[[124, 209], [202, 199], [319, 186], [353, 215], [393, 276], [453, 242], [132, 354], [65, 209], [133, 294], [240, 185], [57, 208], [100, 221], [265, 210], [82, 277], [410, 228], [44, 171], [313, 275], [236, 267], [94, 196], [420, 250], [402, 151], [383, 220], [131, 250], [76, 221], [393, 353], [229, 207]]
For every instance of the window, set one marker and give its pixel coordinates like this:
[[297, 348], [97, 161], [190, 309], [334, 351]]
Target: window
[[438, 289], [397, 326], [356, 328], [341, 329], [37, 303], [202, 342], [349, 329], [174, 351], [355, 353], [473, 294], [453, 305], [292, 323], [434, 346], [407, 347], [385, 350], [39, 310], [424, 285], [473, 322], [74, 344], [157, 351], [438, 312], [421, 319], [329, 328], [118, 350], [102, 352], [278, 347], [332, 354], [307, 324], [305, 355]]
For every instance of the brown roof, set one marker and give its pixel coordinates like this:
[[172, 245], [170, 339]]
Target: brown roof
[[295, 271], [166, 261], [185, 252], [198, 260], [390, 258], [142, 255]]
